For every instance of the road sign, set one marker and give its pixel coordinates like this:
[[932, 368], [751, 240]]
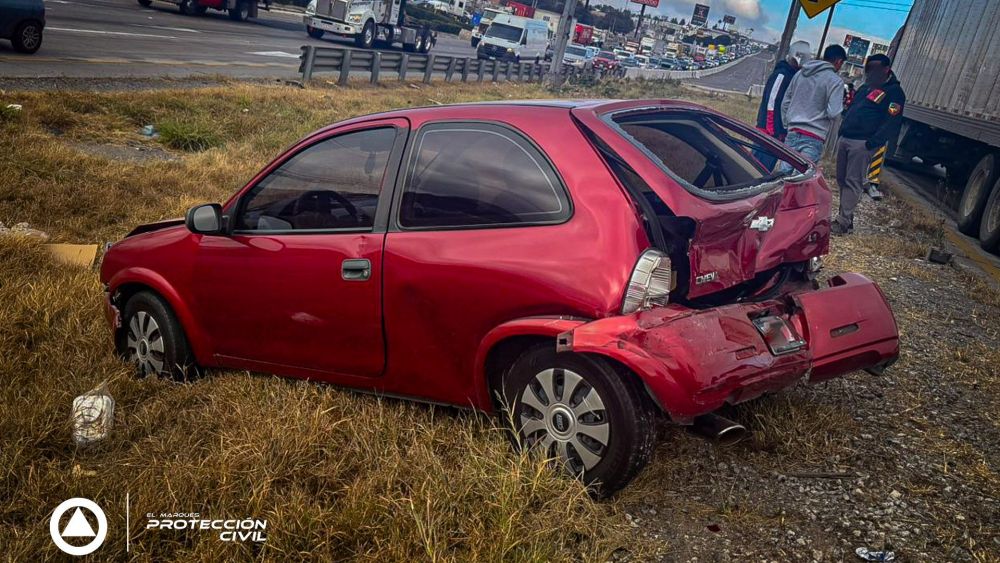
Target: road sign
[[814, 8], [650, 3], [700, 16]]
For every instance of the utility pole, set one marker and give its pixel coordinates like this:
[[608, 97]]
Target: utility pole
[[786, 36], [642, 12], [563, 32], [822, 42]]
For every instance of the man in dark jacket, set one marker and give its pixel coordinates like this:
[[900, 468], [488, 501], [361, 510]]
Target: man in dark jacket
[[769, 113], [873, 118]]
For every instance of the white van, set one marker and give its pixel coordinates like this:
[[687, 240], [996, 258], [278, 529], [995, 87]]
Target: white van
[[514, 38]]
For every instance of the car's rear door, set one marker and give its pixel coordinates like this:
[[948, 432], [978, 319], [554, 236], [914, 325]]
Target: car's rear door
[[298, 281]]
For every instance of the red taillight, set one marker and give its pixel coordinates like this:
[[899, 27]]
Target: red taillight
[[780, 335]]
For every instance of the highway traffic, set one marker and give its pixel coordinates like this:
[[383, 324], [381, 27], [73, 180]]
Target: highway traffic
[[120, 38]]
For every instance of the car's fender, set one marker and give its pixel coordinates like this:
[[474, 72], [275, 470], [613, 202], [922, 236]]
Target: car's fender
[[197, 338], [549, 327]]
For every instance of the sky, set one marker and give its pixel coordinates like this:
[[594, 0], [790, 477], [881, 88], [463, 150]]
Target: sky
[[871, 19]]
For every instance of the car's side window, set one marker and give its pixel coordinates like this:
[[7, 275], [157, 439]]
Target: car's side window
[[333, 184], [477, 175]]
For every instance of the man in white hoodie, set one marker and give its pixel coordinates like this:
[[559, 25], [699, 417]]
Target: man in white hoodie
[[813, 101]]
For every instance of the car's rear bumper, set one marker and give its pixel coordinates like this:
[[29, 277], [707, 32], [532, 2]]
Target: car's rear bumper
[[694, 361]]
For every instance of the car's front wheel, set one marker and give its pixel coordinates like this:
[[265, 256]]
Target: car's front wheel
[[27, 37], [152, 339], [581, 411]]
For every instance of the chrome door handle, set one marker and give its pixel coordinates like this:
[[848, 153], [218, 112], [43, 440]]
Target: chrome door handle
[[356, 269]]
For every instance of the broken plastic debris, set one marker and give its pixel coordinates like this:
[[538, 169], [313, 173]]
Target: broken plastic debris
[[93, 414], [150, 131], [24, 230], [74, 254], [867, 555], [14, 107]]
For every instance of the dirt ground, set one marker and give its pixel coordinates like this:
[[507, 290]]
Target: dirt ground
[[906, 460]]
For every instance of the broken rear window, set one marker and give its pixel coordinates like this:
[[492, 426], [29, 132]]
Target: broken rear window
[[705, 153]]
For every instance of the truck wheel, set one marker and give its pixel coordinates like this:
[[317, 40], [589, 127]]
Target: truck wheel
[[580, 411], [240, 13], [27, 37], [152, 339], [366, 39], [989, 228], [970, 209], [314, 33], [198, 9], [145, 3]]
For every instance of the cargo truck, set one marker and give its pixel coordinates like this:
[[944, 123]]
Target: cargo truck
[[367, 21], [946, 57], [238, 10]]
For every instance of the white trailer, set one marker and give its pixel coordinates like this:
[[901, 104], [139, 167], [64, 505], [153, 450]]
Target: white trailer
[[367, 21]]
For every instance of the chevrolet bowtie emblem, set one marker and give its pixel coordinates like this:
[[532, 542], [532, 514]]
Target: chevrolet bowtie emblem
[[762, 224]]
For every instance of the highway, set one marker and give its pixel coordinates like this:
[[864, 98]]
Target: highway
[[119, 38], [742, 75]]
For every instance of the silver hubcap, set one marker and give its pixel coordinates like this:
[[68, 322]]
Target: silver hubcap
[[564, 417], [30, 37], [975, 189], [369, 34], [992, 218], [145, 343]]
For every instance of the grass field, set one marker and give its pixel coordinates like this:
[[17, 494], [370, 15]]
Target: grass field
[[336, 474], [340, 475]]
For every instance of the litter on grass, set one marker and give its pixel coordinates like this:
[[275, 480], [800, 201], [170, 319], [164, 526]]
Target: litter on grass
[[93, 414], [867, 555]]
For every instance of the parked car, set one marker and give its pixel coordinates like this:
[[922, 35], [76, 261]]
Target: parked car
[[580, 265], [578, 56], [22, 22]]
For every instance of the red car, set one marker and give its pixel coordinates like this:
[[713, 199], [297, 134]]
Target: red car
[[606, 60], [584, 264]]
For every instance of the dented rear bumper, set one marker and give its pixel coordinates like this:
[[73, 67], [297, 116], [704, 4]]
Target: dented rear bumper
[[694, 361]]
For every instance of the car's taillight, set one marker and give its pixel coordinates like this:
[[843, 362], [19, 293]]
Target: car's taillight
[[650, 283]]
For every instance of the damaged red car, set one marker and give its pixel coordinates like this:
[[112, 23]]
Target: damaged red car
[[585, 265]]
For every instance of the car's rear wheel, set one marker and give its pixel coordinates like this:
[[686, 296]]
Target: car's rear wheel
[[153, 340], [240, 13], [581, 412], [27, 37]]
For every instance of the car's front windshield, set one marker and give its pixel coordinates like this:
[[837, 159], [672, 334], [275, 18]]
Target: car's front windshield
[[606, 55], [504, 31], [576, 51]]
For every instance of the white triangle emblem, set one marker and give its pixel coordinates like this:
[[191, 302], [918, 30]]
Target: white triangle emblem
[[78, 527]]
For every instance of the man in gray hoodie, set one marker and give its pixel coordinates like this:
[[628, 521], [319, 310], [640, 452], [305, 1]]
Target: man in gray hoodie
[[815, 97]]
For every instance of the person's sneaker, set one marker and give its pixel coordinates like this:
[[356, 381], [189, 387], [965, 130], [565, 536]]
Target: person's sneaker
[[874, 193], [838, 229]]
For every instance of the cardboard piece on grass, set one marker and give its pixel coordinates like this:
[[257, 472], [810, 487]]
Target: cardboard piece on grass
[[74, 254]]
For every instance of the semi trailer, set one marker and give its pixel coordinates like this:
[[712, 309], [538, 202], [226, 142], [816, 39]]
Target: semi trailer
[[238, 10], [946, 58], [367, 21]]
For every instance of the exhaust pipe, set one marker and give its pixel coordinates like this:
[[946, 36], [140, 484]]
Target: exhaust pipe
[[723, 431]]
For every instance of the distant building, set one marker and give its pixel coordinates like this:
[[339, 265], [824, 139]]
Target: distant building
[[551, 18]]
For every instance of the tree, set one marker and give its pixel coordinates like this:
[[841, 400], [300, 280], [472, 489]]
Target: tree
[[673, 21], [683, 22]]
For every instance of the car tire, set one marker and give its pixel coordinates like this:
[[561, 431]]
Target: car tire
[[184, 7], [970, 208], [425, 44], [366, 39], [27, 37], [989, 227], [314, 33], [600, 403], [240, 13], [153, 339], [145, 3], [198, 9]]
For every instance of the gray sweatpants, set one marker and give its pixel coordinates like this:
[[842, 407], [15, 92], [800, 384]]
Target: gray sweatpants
[[853, 159]]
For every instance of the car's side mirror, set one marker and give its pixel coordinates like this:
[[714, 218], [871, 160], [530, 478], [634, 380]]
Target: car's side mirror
[[205, 219]]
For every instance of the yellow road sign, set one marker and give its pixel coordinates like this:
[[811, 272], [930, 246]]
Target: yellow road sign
[[814, 8]]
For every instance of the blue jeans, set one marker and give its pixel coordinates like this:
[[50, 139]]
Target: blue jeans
[[805, 145]]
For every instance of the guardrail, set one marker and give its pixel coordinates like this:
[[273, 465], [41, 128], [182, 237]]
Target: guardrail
[[400, 65]]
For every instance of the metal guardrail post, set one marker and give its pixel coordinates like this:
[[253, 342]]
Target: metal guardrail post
[[429, 69], [481, 70], [496, 70], [309, 54], [345, 67], [451, 69], [376, 65], [465, 70], [404, 63], [507, 70]]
